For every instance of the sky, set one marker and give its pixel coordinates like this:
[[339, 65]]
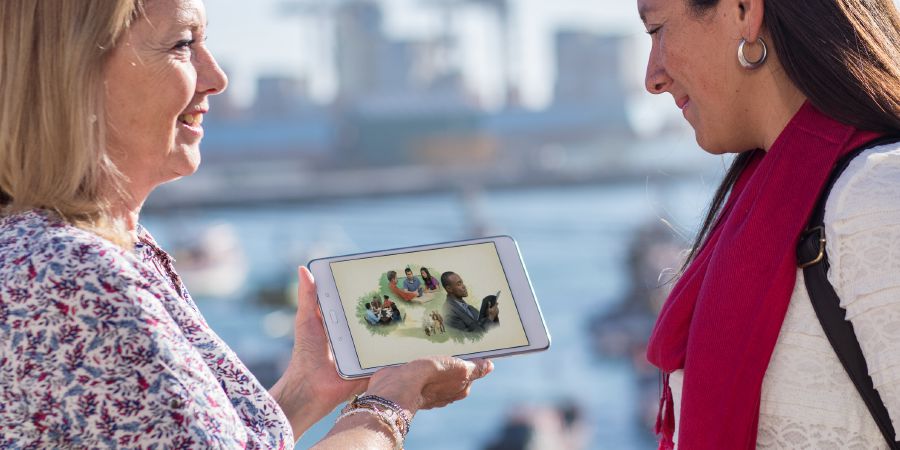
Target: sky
[[251, 39]]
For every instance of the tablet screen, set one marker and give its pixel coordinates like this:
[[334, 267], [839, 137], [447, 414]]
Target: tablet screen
[[448, 301]]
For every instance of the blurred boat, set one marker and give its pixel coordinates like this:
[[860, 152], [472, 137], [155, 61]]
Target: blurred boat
[[623, 332], [278, 288], [211, 262]]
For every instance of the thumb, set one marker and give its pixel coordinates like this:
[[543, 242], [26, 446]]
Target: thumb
[[481, 368], [306, 290]]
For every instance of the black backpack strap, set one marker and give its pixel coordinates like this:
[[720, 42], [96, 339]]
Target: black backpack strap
[[812, 259]]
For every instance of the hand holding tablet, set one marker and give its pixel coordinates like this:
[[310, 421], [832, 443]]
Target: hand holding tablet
[[394, 306]]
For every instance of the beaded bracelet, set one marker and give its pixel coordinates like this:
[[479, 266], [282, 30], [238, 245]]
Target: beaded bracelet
[[386, 410], [392, 408]]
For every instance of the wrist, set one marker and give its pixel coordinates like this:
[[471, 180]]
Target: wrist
[[407, 399], [301, 409]]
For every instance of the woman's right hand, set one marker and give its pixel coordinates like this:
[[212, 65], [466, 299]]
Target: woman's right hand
[[421, 384], [429, 382]]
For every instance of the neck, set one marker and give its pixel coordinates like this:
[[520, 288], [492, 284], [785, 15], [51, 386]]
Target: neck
[[775, 123], [776, 107], [128, 210]]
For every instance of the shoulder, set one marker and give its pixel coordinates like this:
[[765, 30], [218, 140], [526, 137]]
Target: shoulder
[[49, 262], [862, 226], [869, 186]]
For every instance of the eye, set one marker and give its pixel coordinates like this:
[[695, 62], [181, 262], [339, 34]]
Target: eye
[[184, 44], [654, 30], [188, 44]]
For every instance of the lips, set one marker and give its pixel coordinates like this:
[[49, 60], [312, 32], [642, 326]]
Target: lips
[[682, 102], [193, 116]]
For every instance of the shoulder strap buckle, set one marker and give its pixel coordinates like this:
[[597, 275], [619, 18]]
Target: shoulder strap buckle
[[808, 239]]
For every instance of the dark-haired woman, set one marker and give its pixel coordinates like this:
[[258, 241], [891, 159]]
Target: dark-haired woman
[[431, 283], [490, 310], [791, 87]]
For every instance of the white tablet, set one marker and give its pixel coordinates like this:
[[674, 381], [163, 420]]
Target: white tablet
[[470, 299]]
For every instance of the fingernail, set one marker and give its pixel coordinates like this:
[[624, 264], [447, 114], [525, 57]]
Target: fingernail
[[487, 367]]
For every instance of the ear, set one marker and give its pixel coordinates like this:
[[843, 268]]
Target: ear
[[751, 18]]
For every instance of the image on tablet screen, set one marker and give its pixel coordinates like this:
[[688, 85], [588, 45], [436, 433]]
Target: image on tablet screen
[[449, 301]]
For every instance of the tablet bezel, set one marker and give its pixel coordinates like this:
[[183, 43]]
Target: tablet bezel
[[338, 329]]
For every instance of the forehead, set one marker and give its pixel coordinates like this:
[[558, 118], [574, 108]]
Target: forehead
[[166, 15]]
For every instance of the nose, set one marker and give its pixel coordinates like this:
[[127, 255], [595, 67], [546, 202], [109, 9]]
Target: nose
[[656, 80], [211, 79]]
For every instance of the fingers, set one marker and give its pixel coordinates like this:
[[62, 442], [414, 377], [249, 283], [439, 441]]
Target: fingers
[[441, 380]]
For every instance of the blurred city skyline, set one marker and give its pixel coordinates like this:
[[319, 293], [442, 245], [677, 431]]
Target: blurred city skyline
[[409, 103], [291, 38]]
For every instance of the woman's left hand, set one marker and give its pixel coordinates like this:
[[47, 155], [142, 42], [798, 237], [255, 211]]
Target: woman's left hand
[[310, 388]]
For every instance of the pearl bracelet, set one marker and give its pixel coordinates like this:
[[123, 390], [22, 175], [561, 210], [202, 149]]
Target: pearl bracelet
[[389, 412], [392, 409]]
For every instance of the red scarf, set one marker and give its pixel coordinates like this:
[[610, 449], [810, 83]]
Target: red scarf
[[722, 319]]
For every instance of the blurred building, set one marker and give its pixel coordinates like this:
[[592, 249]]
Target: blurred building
[[590, 70], [593, 75], [398, 99], [373, 67], [280, 96], [360, 48], [282, 126]]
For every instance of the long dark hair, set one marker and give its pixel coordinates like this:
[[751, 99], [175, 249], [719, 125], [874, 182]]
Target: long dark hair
[[488, 302], [427, 278], [845, 58]]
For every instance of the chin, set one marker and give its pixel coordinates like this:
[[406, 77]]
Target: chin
[[188, 163], [710, 145]]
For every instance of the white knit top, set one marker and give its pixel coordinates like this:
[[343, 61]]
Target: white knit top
[[808, 401]]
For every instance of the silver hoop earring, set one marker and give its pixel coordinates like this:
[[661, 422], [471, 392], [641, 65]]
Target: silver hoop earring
[[750, 65]]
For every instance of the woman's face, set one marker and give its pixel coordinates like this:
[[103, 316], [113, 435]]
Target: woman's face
[[694, 58], [157, 81]]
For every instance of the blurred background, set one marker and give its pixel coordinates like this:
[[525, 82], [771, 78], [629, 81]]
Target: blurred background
[[360, 125]]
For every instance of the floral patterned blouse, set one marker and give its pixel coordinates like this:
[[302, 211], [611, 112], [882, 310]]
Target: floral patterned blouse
[[104, 348]]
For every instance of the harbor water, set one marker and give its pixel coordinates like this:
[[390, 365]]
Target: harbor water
[[573, 240]]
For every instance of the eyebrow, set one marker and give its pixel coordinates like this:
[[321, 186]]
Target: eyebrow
[[643, 10], [190, 19]]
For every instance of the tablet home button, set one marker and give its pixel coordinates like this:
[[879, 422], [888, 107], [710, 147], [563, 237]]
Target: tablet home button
[[333, 316]]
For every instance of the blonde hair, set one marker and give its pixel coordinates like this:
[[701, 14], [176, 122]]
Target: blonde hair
[[53, 153]]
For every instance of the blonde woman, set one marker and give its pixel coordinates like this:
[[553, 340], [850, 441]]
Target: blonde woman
[[100, 343]]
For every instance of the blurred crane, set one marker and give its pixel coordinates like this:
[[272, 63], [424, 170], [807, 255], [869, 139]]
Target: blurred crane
[[320, 36], [500, 8]]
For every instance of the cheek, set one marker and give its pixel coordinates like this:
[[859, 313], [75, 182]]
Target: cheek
[[172, 90], [181, 86]]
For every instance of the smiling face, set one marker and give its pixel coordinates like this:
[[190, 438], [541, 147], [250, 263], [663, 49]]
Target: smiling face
[[156, 84], [694, 58]]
